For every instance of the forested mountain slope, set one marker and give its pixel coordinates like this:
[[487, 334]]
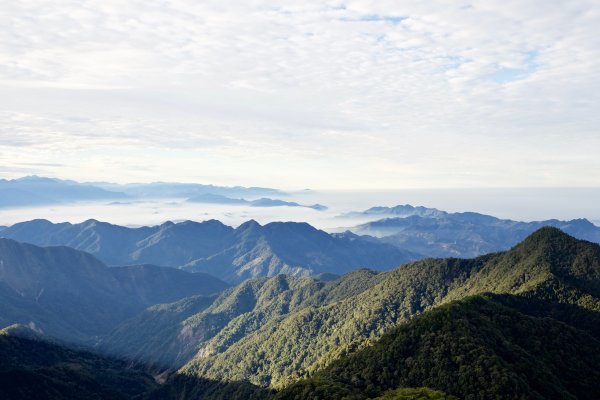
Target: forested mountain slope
[[549, 265], [480, 347], [33, 369], [181, 328]]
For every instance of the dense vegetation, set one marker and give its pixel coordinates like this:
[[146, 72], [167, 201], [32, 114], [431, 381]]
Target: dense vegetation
[[33, 369], [477, 348], [147, 338], [282, 348], [185, 327], [415, 394]]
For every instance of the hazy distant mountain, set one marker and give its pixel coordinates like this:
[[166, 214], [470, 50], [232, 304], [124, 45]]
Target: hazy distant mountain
[[70, 294], [266, 202], [35, 190], [250, 250], [210, 198], [187, 190], [437, 233], [405, 210]]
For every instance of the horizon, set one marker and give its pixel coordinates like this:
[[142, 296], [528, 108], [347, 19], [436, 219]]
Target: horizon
[[153, 208], [17, 177]]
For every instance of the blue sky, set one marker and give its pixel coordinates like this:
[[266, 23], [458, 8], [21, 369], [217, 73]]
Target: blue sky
[[335, 95]]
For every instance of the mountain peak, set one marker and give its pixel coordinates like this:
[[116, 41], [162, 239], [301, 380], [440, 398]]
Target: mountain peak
[[250, 224], [34, 178], [545, 235]]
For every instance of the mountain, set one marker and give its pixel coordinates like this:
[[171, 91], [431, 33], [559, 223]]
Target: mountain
[[33, 369], [306, 333], [162, 326], [296, 249], [35, 190], [251, 250], [524, 323], [477, 348], [160, 190], [71, 295], [157, 285], [404, 211], [168, 244], [210, 198], [181, 328], [266, 202], [437, 233]]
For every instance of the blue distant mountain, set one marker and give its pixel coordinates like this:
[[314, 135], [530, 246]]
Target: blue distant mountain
[[187, 190], [35, 190], [211, 198], [405, 210], [438, 233]]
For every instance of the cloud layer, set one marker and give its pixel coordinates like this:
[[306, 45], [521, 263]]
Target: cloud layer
[[342, 94]]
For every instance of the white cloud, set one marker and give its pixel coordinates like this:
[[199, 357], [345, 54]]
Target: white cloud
[[320, 94]]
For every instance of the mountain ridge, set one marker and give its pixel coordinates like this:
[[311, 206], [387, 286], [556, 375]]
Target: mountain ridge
[[38, 190], [70, 294], [249, 250], [437, 233]]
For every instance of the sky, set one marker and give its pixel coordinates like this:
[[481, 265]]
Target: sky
[[312, 94]]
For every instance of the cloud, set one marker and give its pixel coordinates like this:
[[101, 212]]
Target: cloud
[[329, 94]]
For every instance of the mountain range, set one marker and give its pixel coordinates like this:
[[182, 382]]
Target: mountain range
[[524, 323], [210, 198], [403, 210], [34, 190], [303, 326], [250, 250], [171, 190], [437, 233], [37, 190], [69, 294]]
